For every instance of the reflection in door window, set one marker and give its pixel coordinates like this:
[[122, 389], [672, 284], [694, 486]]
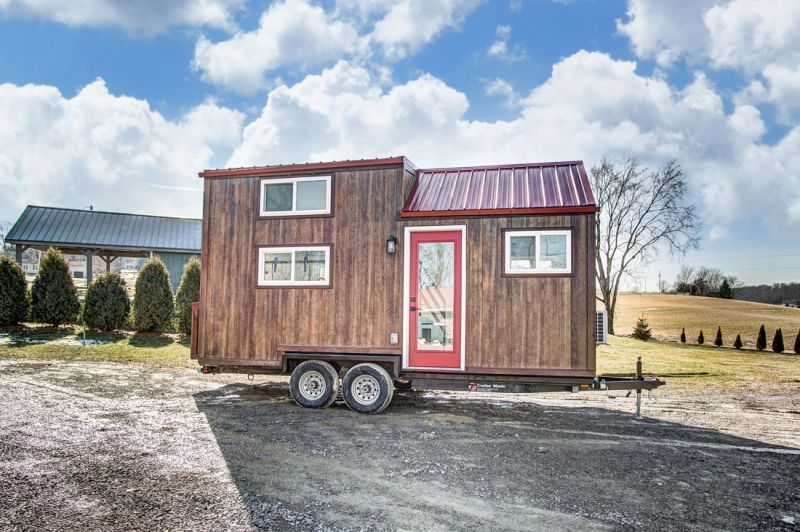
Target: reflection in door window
[[435, 296]]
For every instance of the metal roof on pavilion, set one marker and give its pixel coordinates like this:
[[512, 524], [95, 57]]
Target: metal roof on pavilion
[[110, 231]]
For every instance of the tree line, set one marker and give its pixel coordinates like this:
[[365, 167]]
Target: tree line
[[706, 281]]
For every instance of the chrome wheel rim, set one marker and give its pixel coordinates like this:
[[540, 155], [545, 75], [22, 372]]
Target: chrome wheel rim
[[365, 389], [312, 385]]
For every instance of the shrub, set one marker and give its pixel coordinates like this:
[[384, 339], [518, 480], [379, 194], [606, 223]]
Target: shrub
[[777, 342], [761, 341], [106, 306], [700, 338], [797, 343], [641, 331], [13, 292], [54, 299], [152, 300], [738, 342], [683, 335], [188, 293], [718, 339]]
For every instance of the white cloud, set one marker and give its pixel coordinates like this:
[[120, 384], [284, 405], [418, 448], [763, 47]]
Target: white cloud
[[113, 152], [411, 24], [666, 30], [140, 16], [757, 37], [500, 49], [504, 89], [590, 106], [290, 33], [295, 33]]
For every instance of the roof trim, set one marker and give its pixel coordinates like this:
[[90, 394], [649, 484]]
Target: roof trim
[[499, 166], [304, 167], [111, 212], [553, 211], [78, 245]]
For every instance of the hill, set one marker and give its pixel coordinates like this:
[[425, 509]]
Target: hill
[[667, 313]]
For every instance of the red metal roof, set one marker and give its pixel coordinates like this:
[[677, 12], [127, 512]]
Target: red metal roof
[[304, 167], [536, 188]]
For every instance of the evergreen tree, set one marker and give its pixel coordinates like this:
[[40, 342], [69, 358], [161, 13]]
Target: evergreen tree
[[107, 305], [761, 341], [188, 293], [718, 339], [725, 290], [152, 301], [700, 338], [777, 342], [641, 331], [738, 342], [13, 292], [54, 299], [797, 344], [683, 335]]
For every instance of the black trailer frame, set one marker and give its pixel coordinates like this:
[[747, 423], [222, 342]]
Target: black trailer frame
[[428, 381]]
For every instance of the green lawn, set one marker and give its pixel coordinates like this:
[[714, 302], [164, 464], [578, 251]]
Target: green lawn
[[698, 365], [65, 343]]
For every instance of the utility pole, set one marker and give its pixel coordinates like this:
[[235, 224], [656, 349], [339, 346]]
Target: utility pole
[[659, 281]]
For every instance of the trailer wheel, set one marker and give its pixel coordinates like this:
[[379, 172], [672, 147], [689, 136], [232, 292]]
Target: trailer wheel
[[367, 388], [314, 384]]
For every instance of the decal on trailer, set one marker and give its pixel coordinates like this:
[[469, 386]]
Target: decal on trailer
[[478, 387]]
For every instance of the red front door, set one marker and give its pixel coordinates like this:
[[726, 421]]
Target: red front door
[[434, 339]]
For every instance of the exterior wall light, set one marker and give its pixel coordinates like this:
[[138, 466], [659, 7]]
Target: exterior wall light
[[391, 245]]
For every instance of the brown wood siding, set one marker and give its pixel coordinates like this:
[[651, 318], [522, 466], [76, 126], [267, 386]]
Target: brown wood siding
[[529, 323]]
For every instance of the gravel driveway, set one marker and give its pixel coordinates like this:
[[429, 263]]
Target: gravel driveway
[[112, 446]]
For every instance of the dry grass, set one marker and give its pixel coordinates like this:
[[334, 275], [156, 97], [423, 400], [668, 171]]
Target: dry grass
[[667, 314]]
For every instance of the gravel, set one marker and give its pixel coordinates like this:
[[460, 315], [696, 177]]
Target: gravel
[[110, 446]]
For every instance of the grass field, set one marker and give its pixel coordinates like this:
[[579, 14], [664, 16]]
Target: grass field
[[667, 314], [689, 365], [66, 343]]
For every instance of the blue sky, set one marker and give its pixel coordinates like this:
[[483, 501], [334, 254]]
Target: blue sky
[[119, 105]]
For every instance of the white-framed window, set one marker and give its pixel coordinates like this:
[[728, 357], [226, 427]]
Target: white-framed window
[[294, 266], [537, 252], [296, 196]]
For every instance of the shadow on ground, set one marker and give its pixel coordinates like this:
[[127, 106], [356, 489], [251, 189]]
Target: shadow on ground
[[437, 461]]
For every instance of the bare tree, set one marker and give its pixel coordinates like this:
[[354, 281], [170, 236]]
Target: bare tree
[[5, 249], [683, 281], [641, 213]]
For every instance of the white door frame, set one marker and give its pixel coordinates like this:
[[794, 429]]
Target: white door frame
[[406, 288]]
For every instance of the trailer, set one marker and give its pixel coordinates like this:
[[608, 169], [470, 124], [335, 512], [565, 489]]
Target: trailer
[[362, 276]]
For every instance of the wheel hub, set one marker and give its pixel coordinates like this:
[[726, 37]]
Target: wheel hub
[[365, 389], [312, 385]]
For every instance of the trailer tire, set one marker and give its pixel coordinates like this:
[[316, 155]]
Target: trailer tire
[[314, 384], [367, 388]]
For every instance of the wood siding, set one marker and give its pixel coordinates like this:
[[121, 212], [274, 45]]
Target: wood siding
[[513, 325]]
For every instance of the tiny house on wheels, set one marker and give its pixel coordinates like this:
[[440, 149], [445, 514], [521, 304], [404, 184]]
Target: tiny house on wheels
[[370, 274]]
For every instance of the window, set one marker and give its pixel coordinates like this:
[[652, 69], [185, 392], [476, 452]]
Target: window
[[296, 196], [537, 252], [294, 266]]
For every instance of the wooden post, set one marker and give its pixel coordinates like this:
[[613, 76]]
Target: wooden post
[[89, 255], [19, 251]]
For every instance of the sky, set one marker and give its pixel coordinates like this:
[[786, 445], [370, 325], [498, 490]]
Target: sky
[[119, 104]]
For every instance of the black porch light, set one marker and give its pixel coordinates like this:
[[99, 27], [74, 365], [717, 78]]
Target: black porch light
[[391, 245]]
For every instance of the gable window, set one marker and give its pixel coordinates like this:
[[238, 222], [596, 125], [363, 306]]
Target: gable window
[[537, 252], [296, 196], [294, 266]]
